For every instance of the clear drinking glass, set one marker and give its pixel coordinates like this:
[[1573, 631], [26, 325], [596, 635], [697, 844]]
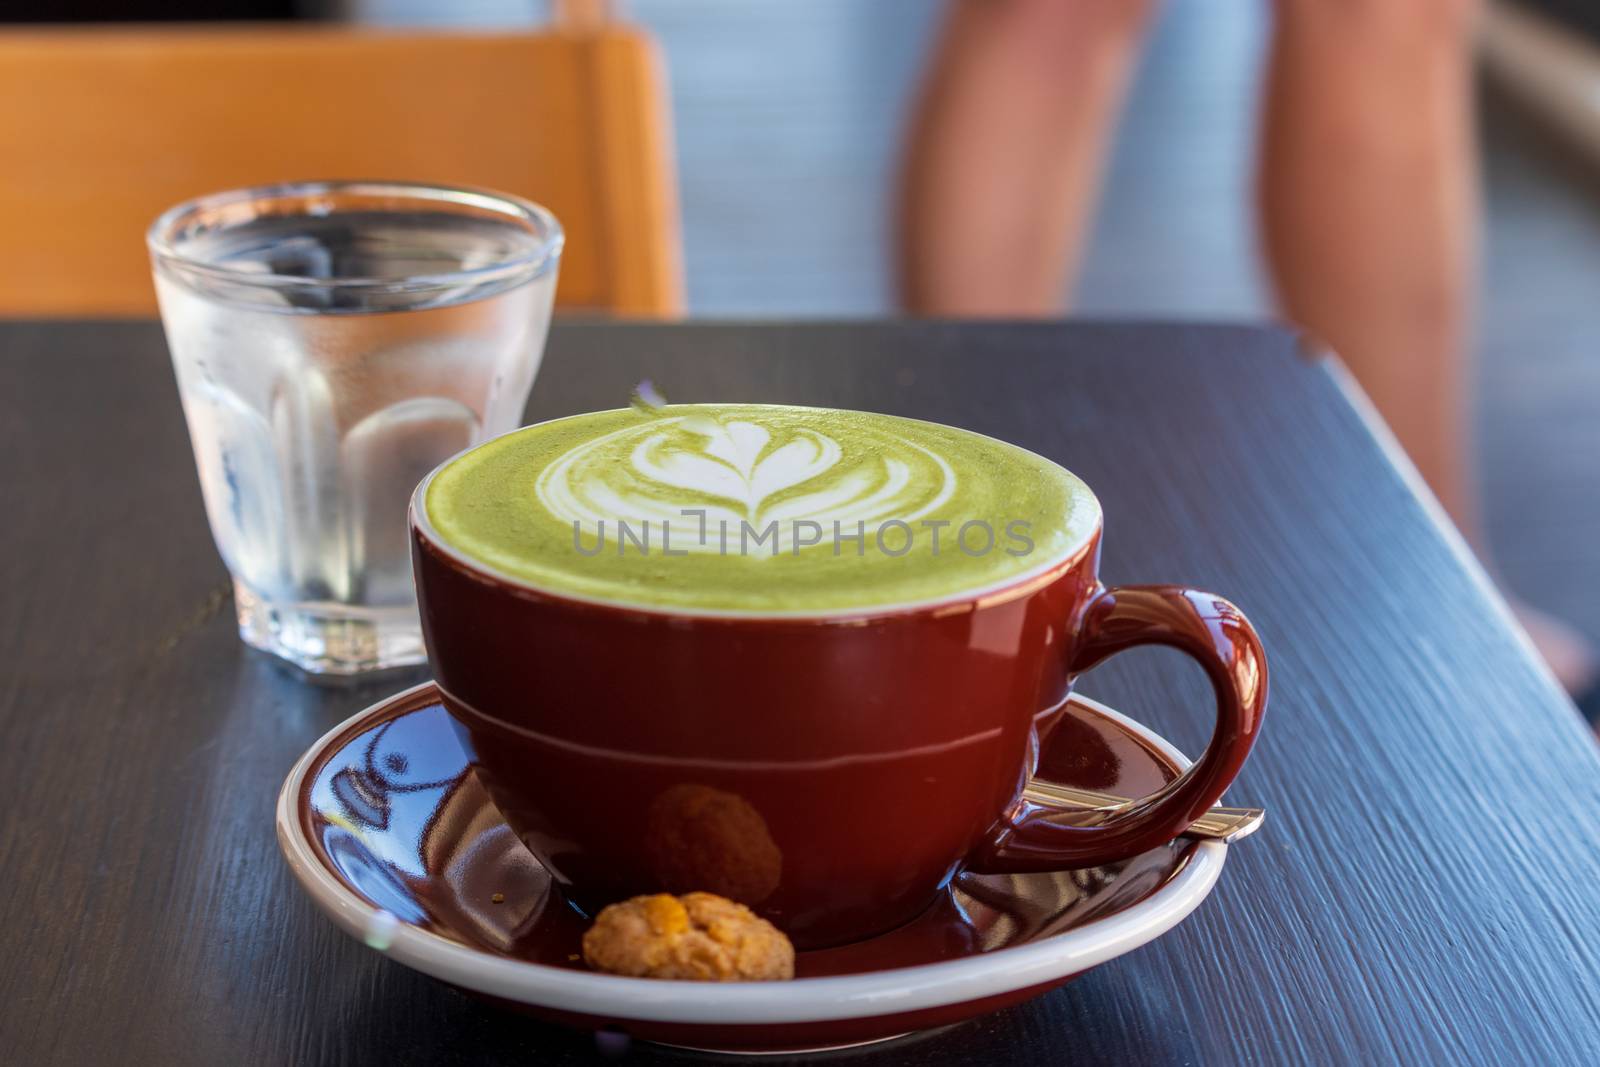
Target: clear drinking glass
[[334, 342]]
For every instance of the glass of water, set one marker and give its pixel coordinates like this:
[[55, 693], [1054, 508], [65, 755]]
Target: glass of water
[[334, 342]]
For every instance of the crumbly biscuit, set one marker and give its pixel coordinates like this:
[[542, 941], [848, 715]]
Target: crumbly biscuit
[[698, 937]]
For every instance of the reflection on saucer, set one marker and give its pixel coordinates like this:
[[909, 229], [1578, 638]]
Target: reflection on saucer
[[1079, 753], [706, 839]]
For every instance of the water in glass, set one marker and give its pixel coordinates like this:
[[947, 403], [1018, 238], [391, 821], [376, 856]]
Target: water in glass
[[315, 410]]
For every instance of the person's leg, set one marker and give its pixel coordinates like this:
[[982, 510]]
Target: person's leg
[[1006, 149], [1369, 203], [1369, 208]]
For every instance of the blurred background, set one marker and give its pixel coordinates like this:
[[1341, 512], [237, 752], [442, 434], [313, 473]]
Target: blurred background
[[789, 119]]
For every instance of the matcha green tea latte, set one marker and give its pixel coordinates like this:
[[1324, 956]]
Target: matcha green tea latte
[[758, 509]]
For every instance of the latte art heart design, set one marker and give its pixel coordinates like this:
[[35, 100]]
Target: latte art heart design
[[735, 464], [704, 475]]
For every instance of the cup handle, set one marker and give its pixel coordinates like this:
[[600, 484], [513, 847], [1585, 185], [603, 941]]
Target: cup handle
[[1034, 837]]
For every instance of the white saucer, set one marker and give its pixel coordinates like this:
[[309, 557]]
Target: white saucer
[[385, 826]]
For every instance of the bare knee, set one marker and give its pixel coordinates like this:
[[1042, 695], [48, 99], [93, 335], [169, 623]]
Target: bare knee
[[1069, 25]]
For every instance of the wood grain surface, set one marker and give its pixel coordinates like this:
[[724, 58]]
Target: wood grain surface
[[1426, 890]]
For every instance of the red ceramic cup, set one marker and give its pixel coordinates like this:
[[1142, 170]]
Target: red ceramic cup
[[832, 771]]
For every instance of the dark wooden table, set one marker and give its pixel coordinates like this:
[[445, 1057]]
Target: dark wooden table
[[1426, 890]]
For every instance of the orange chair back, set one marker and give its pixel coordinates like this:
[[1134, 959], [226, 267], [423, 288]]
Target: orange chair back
[[102, 129]]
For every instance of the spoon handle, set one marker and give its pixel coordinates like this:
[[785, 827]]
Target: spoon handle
[[1218, 824]]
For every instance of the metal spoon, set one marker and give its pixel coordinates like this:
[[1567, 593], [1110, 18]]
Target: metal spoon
[[1218, 824]]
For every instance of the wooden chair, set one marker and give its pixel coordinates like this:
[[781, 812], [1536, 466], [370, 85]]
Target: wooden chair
[[103, 128]]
